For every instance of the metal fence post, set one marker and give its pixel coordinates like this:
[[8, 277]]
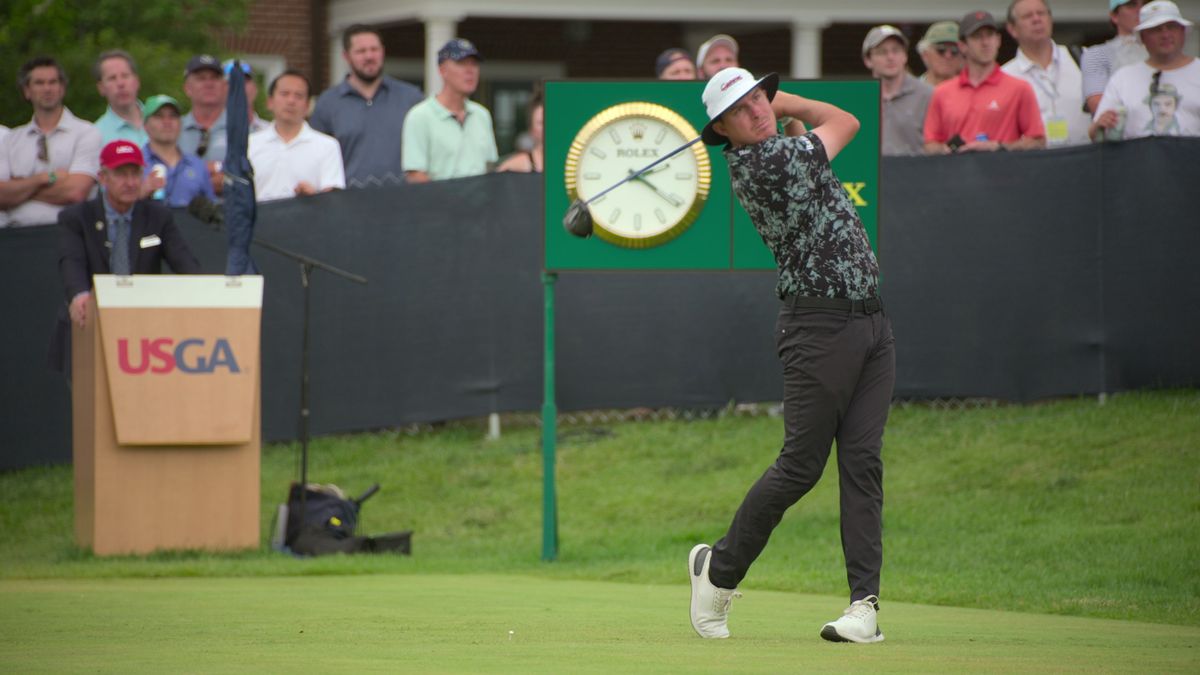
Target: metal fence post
[[549, 427]]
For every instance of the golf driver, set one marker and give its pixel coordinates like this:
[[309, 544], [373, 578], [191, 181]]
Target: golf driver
[[578, 220]]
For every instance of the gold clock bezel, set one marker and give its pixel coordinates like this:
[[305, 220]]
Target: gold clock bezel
[[641, 109]]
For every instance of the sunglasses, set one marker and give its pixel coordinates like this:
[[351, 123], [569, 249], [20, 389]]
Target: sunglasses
[[946, 50], [43, 149], [203, 147], [1153, 84]]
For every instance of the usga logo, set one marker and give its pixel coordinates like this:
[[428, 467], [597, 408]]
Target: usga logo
[[162, 355]]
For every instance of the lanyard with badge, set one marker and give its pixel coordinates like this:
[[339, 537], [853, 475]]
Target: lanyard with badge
[[1056, 125]]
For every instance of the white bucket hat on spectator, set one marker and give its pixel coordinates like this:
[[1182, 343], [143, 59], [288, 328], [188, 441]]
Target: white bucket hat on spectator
[[724, 90], [1159, 12]]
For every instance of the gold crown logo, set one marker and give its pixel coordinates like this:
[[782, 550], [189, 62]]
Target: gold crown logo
[[638, 130]]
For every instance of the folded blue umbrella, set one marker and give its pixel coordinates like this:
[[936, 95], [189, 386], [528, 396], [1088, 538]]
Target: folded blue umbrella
[[238, 191]]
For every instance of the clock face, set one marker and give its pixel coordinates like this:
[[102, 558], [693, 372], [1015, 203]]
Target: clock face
[[660, 204]]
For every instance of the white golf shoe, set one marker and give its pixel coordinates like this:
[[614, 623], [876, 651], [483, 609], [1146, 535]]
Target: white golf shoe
[[710, 604], [858, 623]]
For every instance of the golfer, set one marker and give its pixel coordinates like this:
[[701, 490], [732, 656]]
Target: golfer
[[833, 337]]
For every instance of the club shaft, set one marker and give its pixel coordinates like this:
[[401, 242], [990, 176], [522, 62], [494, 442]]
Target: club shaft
[[646, 168]]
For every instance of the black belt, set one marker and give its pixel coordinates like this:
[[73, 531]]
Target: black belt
[[868, 306]]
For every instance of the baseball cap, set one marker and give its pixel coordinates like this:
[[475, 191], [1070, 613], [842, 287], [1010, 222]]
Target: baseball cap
[[119, 153], [156, 102], [1114, 4], [718, 39], [973, 21], [668, 57], [939, 33], [724, 90], [878, 34], [1159, 12], [457, 50], [202, 62]]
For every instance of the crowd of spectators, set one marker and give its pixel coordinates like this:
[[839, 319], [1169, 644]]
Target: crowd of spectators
[[1139, 83], [371, 127]]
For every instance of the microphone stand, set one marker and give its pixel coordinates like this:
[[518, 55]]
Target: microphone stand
[[307, 265], [213, 218]]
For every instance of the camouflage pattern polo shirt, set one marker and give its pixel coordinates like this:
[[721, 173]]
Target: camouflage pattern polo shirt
[[805, 217]]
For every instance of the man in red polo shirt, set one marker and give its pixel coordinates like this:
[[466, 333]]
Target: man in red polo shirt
[[983, 109]]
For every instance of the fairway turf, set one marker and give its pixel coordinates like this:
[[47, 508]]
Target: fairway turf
[[434, 623], [1061, 514]]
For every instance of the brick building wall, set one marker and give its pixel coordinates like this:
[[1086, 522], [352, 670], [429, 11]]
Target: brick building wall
[[285, 28]]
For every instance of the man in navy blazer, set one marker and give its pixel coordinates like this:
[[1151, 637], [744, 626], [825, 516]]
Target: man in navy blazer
[[116, 233]]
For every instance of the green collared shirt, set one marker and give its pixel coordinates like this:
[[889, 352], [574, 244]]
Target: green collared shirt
[[114, 127], [435, 142]]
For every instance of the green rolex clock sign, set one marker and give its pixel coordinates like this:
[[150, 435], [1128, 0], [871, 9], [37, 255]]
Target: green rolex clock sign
[[682, 215]]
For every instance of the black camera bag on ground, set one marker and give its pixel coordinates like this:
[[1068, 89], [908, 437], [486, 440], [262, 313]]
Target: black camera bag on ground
[[329, 521]]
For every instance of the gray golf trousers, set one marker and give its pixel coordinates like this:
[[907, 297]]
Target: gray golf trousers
[[839, 367]]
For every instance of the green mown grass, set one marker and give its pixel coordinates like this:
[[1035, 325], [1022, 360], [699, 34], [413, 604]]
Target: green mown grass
[[432, 623], [1067, 507]]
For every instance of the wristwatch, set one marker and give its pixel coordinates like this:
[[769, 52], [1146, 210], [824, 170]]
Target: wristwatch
[[53, 177]]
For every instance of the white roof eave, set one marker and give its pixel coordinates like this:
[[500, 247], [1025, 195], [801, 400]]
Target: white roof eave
[[343, 13]]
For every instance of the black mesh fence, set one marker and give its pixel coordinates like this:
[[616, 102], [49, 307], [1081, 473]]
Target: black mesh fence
[[1008, 277]]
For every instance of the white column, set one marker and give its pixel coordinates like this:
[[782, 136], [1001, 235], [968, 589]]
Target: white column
[[806, 48], [438, 31], [337, 65], [270, 66]]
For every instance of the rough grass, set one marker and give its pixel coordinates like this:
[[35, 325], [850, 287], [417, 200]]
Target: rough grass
[[1068, 507]]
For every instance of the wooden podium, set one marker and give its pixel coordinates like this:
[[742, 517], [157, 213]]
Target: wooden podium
[[166, 410]]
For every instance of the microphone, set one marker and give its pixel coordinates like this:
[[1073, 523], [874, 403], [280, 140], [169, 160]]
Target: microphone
[[206, 211]]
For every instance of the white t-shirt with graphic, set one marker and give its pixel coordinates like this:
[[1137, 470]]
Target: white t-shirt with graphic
[[1173, 111]]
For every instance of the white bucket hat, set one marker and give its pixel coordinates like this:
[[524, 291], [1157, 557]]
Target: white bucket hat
[[1159, 12], [724, 90]]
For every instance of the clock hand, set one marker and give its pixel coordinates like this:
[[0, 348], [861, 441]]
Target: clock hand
[[653, 170], [651, 165], [578, 219], [671, 199]]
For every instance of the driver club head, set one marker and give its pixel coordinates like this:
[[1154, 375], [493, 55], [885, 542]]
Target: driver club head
[[578, 220]]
